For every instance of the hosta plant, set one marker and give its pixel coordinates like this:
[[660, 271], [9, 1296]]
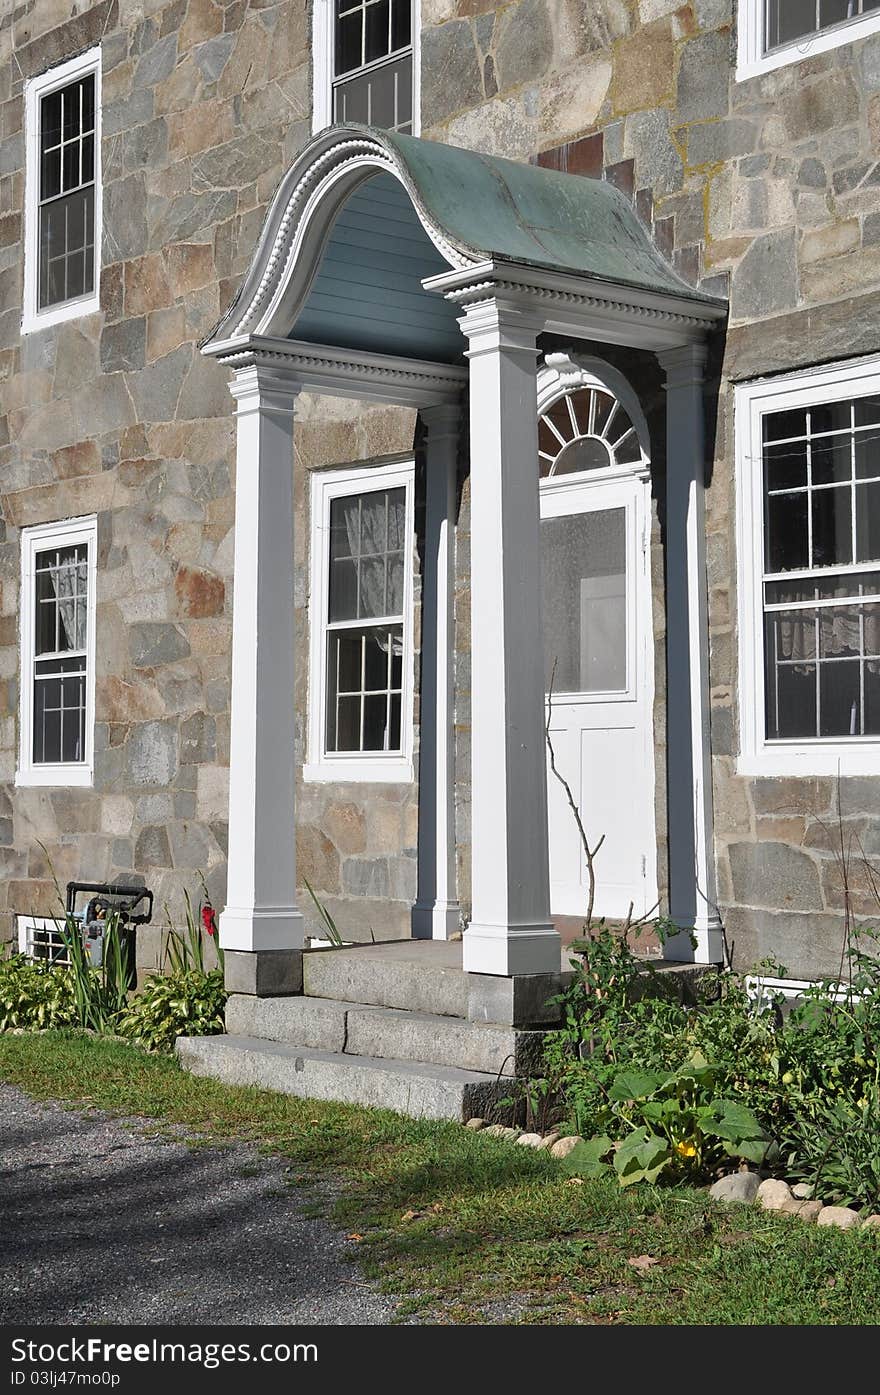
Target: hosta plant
[[35, 995], [183, 1003]]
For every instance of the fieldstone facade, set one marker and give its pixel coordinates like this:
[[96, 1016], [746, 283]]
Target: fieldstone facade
[[766, 191]]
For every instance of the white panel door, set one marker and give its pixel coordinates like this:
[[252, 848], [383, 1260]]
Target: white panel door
[[598, 654]]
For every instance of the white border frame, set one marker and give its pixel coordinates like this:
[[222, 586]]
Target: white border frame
[[33, 540], [366, 766], [855, 755], [322, 66], [37, 88], [751, 61]]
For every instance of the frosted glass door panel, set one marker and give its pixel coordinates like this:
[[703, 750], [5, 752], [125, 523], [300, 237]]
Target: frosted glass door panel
[[584, 597]]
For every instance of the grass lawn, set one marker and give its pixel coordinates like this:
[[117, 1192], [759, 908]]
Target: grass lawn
[[477, 1230]]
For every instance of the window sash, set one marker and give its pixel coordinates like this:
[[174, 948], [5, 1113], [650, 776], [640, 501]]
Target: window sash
[[63, 196], [822, 10], [57, 661], [821, 652]]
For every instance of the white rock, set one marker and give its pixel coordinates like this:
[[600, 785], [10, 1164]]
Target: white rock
[[530, 1140], [548, 1140], [803, 1191], [563, 1146], [736, 1186], [841, 1216], [871, 1223], [474, 1123], [773, 1194], [501, 1131]]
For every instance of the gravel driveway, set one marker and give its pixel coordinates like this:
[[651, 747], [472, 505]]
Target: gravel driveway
[[101, 1221]]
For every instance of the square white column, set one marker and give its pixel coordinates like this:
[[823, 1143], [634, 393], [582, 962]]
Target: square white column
[[435, 914], [692, 888], [261, 913], [510, 931]]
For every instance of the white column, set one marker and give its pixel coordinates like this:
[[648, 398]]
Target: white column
[[261, 912], [510, 931], [436, 913], [692, 891]]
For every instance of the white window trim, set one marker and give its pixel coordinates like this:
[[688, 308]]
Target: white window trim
[[33, 540], [751, 61], [322, 66], [363, 766], [32, 317], [858, 755]]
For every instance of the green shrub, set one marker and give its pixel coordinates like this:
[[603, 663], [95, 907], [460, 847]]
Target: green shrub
[[804, 1090], [34, 995], [185, 1002]]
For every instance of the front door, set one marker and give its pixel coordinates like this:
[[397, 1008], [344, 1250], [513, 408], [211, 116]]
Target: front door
[[598, 647]]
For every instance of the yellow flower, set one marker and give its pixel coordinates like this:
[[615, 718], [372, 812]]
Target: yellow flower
[[687, 1150]]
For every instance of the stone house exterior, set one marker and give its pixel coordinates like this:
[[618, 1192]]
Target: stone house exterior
[[750, 171]]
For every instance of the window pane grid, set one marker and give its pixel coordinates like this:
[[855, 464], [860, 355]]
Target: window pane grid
[[67, 193], [789, 20], [373, 63], [60, 660], [821, 583], [364, 622]]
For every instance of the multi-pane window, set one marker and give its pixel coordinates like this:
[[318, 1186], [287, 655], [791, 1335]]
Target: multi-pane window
[[373, 63], [60, 644], [63, 194], [365, 621], [57, 659], [361, 624], [787, 21], [67, 193], [821, 577]]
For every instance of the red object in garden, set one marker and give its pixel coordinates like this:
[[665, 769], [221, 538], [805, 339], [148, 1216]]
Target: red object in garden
[[209, 920]]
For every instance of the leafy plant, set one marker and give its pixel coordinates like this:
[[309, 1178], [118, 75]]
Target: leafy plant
[[100, 991], [836, 1148], [330, 926], [35, 995], [678, 1126], [186, 951], [183, 1002]]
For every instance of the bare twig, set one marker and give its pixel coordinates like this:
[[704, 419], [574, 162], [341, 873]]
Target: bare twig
[[589, 853]]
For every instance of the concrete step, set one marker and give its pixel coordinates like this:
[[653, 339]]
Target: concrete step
[[419, 1090], [360, 1029], [425, 977]]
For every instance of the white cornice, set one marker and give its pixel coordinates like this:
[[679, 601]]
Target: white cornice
[[345, 372]]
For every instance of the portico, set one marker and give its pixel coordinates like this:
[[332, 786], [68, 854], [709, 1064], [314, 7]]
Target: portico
[[396, 270]]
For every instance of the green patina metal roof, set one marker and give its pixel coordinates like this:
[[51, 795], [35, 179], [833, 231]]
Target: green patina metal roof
[[497, 208]]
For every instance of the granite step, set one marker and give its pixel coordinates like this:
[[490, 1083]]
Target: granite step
[[417, 1089], [362, 1029]]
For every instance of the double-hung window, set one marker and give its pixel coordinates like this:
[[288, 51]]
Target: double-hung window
[[809, 544], [364, 59], [57, 653], [63, 196], [773, 33], [361, 625]]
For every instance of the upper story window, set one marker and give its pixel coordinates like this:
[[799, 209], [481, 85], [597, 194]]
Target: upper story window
[[57, 653], [809, 479], [775, 32], [364, 63], [361, 625], [63, 200]]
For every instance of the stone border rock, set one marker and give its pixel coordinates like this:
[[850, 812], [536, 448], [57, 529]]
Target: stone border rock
[[743, 1187]]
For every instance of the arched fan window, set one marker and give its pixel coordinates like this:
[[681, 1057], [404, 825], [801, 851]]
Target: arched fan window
[[586, 429]]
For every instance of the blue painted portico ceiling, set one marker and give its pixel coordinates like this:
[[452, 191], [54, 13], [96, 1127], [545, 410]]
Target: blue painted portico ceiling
[[367, 293]]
